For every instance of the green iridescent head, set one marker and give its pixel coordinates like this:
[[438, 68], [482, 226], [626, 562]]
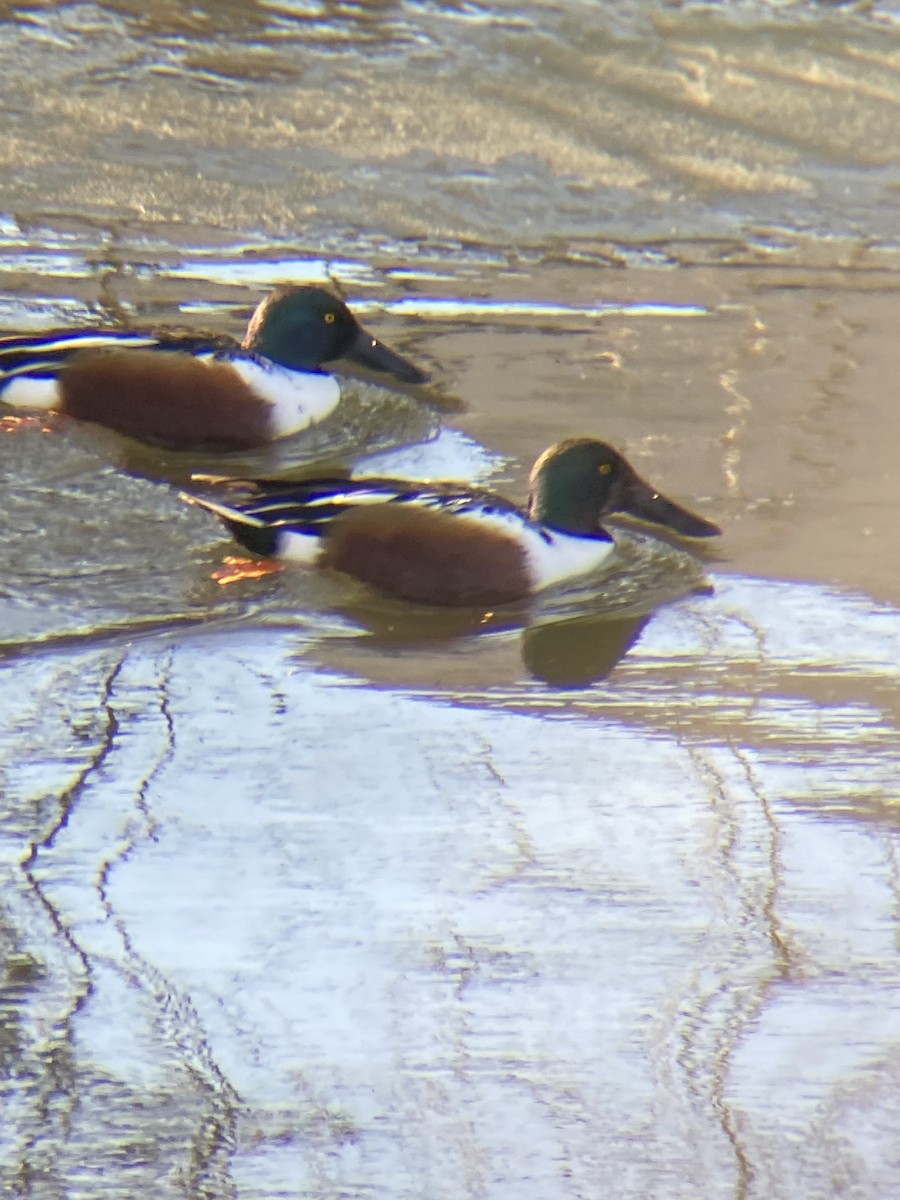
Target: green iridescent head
[[304, 327], [577, 482]]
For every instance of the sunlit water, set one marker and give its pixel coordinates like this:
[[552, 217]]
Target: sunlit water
[[310, 893]]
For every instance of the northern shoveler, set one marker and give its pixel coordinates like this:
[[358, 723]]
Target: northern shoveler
[[187, 390], [446, 543]]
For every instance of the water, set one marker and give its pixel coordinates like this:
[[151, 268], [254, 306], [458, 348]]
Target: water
[[309, 893]]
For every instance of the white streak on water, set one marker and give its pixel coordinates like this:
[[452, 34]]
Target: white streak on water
[[447, 309]]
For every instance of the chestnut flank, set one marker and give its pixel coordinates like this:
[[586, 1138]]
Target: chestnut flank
[[166, 398], [428, 557]]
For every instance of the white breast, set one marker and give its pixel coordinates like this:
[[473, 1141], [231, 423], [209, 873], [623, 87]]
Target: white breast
[[551, 558], [556, 557], [297, 398]]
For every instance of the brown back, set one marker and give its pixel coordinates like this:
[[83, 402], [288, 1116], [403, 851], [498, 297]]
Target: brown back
[[167, 398]]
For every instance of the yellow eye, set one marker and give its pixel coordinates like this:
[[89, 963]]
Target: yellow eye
[[329, 318], [604, 468]]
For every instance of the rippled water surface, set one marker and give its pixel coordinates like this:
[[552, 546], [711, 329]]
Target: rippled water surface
[[308, 893]]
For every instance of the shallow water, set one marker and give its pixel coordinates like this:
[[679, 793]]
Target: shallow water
[[306, 893]]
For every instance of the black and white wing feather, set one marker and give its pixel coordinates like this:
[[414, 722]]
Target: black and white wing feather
[[309, 506], [30, 363]]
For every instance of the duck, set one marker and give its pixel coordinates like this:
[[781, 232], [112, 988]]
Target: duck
[[190, 391], [450, 544]]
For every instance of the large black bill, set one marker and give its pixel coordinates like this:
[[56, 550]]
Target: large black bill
[[641, 500], [369, 352]]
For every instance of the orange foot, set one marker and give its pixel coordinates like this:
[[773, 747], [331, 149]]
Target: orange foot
[[10, 424], [233, 570]]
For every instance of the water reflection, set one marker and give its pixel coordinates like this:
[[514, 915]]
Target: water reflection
[[369, 894]]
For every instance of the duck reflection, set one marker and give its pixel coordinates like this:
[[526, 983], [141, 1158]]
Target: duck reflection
[[566, 647], [581, 650]]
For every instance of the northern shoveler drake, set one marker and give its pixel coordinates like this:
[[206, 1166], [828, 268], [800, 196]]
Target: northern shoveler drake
[[187, 390], [446, 543]]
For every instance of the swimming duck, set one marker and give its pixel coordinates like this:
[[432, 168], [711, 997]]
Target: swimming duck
[[189, 390], [446, 543]]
